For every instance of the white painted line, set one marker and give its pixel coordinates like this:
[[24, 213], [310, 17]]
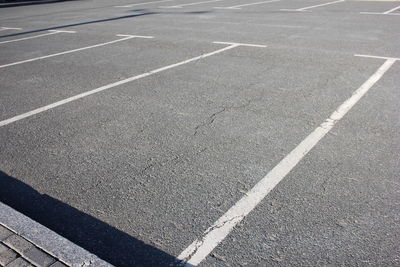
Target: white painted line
[[62, 31], [135, 36], [112, 85], [378, 57], [240, 44], [250, 4], [9, 28], [372, 13], [376, 13], [191, 4], [126, 37], [310, 7], [391, 10], [330, 3], [293, 10], [51, 32], [144, 3], [202, 247]]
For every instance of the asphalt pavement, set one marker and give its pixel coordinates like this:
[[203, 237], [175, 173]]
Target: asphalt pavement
[[134, 128]]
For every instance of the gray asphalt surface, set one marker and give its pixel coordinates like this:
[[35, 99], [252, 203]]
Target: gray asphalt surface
[[135, 173]]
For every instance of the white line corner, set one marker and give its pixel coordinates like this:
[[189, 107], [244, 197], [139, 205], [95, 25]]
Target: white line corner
[[379, 57]]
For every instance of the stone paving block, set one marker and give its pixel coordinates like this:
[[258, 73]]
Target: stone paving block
[[4, 233], [38, 257], [18, 243], [19, 262], [62, 249], [58, 264], [7, 255]]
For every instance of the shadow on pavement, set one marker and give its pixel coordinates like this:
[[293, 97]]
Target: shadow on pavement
[[15, 3], [99, 238], [144, 13], [80, 23]]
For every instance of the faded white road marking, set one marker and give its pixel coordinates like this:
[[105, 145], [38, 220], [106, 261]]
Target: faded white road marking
[[126, 37], [376, 13], [112, 85], [254, 23], [389, 12], [203, 246], [379, 57], [51, 32], [144, 3], [190, 4], [310, 7], [9, 28], [240, 44], [250, 4]]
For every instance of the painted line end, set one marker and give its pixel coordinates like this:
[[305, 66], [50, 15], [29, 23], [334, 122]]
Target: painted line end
[[240, 44], [379, 57], [227, 7], [291, 10], [62, 31], [169, 7], [11, 28], [371, 13], [135, 36]]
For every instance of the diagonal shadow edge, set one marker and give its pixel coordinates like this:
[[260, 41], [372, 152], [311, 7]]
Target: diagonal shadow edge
[[96, 236], [18, 3], [144, 13], [79, 24]]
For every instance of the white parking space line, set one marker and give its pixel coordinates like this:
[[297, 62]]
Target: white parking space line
[[145, 3], [9, 28], [126, 37], [203, 246], [378, 57], [51, 32], [310, 7], [115, 84], [250, 4], [191, 4], [376, 13], [240, 44], [389, 12]]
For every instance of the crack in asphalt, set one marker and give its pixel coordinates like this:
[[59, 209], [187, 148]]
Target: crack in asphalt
[[210, 120]]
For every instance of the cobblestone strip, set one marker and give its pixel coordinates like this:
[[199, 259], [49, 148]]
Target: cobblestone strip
[[26, 243], [16, 251]]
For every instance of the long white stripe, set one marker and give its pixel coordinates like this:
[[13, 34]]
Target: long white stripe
[[202, 247], [51, 32], [191, 4], [239, 6], [75, 50], [108, 86], [309, 7], [9, 28], [144, 3], [391, 10]]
